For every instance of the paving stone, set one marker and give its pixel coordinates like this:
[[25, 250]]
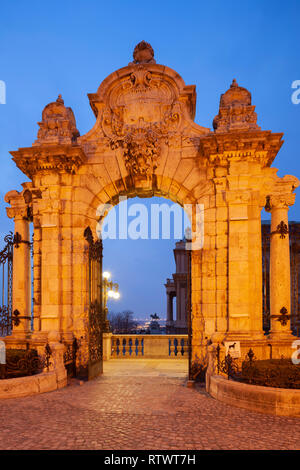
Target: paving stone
[[121, 411]]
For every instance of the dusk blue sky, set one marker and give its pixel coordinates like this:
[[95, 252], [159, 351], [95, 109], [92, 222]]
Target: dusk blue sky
[[69, 47]]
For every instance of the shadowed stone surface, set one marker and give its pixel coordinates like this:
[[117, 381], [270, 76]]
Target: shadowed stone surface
[[139, 405]]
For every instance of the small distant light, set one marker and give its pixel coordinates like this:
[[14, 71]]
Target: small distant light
[[116, 295], [110, 293], [106, 275]]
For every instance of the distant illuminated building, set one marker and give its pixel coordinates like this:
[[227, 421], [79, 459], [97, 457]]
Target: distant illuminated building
[[176, 287]]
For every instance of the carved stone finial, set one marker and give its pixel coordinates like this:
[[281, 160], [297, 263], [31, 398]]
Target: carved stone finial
[[58, 125], [143, 53], [236, 112]]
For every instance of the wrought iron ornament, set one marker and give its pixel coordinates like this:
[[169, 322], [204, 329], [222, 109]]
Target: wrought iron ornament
[[95, 333], [70, 357], [6, 270], [282, 229], [96, 311], [283, 318], [269, 373], [25, 362]]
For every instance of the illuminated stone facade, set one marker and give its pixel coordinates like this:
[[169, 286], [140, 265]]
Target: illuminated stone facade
[[145, 143]]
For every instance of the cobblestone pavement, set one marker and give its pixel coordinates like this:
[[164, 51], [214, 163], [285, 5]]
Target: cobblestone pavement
[[141, 406]]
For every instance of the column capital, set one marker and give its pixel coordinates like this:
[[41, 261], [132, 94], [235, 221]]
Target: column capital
[[283, 195], [20, 208]]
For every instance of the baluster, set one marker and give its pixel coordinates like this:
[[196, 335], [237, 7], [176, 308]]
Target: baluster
[[124, 347], [175, 346], [136, 350], [182, 346], [142, 347], [172, 347]]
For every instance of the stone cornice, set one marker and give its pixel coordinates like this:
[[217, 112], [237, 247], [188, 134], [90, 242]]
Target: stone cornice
[[252, 146], [58, 158]]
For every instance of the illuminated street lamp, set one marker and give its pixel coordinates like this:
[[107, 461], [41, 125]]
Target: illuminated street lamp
[[110, 290]]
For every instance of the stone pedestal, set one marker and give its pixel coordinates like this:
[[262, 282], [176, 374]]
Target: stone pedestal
[[107, 346]]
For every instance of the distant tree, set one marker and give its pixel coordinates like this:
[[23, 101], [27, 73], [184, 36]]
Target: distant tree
[[122, 322]]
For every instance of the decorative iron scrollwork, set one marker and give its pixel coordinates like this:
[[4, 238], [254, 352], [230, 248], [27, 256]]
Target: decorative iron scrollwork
[[95, 332], [231, 368], [6, 264], [5, 321], [282, 229], [26, 362], [283, 318], [70, 357], [95, 320], [88, 235], [95, 247], [18, 239], [6, 253], [17, 317], [268, 204], [280, 373]]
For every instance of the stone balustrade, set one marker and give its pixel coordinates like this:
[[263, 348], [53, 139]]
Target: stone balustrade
[[147, 346]]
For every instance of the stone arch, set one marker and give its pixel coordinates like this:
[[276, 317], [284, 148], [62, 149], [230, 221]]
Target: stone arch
[[145, 142]]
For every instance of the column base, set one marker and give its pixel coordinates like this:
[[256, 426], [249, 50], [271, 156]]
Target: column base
[[281, 335], [20, 335], [40, 337], [247, 336], [170, 326], [67, 336]]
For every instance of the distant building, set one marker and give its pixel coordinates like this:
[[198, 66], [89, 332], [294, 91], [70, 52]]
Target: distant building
[[176, 287]]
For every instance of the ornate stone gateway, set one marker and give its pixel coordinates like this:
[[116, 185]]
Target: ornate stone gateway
[[145, 143]]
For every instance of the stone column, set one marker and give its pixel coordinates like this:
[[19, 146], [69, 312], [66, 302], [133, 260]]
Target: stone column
[[280, 278], [21, 264], [169, 307]]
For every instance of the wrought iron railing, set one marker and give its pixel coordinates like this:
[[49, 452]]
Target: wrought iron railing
[[6, 277], [70, 357], [279, 373], [20, 363]]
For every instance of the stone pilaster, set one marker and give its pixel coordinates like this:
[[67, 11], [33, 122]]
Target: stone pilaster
[[51, 273], [244, 252]]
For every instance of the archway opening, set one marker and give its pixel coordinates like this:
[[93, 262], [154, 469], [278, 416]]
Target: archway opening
[[146, 276]]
